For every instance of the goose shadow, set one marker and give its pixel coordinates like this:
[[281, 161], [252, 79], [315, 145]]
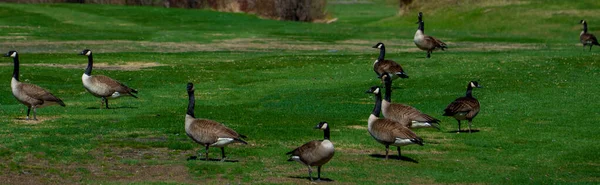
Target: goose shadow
[[308, 178], [195, 158], [463, 131], [402, 158]]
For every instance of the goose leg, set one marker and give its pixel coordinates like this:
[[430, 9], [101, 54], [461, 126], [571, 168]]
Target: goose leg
[[207, 152], [310, 173], [591, 47], [399, 156], [428, 54], [458, 131], [222, 154], [28, 109], [105, 102], [470, 126], [34, 113], [319, 173], [387, 149]]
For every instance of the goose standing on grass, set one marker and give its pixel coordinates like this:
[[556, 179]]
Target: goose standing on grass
[[382, 65], [387, 131], [464, 108], [587, 39], [398, 112], [314, 153], [103, 86], [30, 95], [208, 132], [426, 42]]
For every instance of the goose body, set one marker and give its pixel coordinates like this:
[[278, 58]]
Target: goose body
[[207, 132], [102, 86], [30, 95], [464, 108], [314, 153], [387, 131], [400, 112], [587, 39], [426, 42], [381, 65]]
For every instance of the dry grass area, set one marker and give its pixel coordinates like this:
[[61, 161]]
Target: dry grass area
[[242, 44]]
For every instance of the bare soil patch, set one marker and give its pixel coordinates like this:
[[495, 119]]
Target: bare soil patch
[[127, 66]]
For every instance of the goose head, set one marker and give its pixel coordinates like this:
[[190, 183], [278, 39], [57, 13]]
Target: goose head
[[11, 54], [86, 52], [379, 45], [420, 16], [322, 126], [475, 84], [374, 90], [190, 87]]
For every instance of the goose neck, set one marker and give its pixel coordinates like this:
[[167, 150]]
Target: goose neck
[[88, 69], [191, 104], [381, 53], [16, 68], [326, 134], [377, 108], [469, 91]]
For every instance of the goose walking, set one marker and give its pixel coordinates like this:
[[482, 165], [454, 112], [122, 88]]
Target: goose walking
[[399, 112], [208, 132], [314, 153], [102, 86], [587, 39], [381, 65], [387, 131], [426, 42], [464, 108], [30, 95]]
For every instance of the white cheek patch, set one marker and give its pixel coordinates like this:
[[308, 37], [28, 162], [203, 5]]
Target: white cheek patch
[[376, 91], [13, 55], [324, 126], [88, 53], [472, 84], [379, 46]]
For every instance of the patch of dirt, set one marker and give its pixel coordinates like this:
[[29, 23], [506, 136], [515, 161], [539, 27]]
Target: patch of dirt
[[40, 119], [127, 66], [244, 44], [359, 127]]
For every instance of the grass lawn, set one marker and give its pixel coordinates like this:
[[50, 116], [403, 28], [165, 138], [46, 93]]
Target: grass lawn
[[274, 80]]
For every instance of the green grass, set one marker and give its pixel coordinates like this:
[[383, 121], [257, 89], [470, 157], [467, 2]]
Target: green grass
[[274, 80]]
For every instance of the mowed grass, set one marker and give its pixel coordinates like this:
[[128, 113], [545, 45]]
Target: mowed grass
[[274, 80]]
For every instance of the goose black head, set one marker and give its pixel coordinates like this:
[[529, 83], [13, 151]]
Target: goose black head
[[86, 52], [11, 54], [475, 84], [374, 90], [190, 87], [379, 45], [323, 125], [420, 17]]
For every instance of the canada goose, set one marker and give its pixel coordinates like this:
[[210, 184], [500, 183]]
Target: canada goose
[[208, 132], [464, 108], [381, 65], [30, 95], [314, 153], [398, 112], [387, 131], [103, 86], [426, 42], [587, 38]]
